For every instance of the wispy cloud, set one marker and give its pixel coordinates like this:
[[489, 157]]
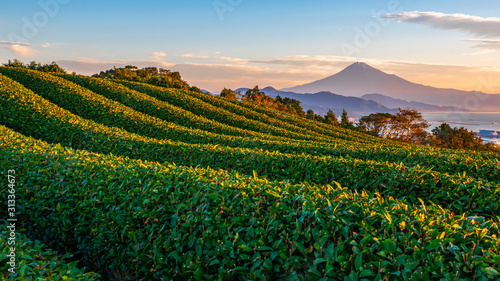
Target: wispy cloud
[[15, 43], [205, 56], [475, 25], [488, 45], [308, 61], [22, 50], [158, 55], [193, 56], [231, 60]]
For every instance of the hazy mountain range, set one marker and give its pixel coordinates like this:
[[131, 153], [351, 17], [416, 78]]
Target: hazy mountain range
[[395, 103], [322, 101], [362, 80], [368, 90]]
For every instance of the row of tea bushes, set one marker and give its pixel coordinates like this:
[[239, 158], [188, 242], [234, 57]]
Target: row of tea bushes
[[42, 119], [34, 261], [154, 107], [179, 98], [87, 104], [132, 218], [324, 129], [93, 106], [382, 150]]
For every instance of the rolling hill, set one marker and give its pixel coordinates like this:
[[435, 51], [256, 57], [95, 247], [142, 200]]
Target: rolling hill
[[138, 182]]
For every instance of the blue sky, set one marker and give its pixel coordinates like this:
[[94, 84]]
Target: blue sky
[[235, 43]]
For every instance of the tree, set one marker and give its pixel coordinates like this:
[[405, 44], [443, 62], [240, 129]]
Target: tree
[[230, 94], [52, 68], [34, 65], [457, 138], [258, 97], [319, 118], [344, 120], [377, 124], [14, 63], [310, 114], [408, 125], [331, 119], [149, 75], [289, 105]]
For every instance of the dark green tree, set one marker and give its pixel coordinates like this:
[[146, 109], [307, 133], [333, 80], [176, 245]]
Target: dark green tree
[[344, 120], [330, 118], [459, 138], [52, 67], [150, 75], [289, 105], [319, 118], [14, 63], [310, 114]]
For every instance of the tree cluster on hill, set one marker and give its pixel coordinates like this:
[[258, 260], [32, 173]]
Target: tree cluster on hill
[[329, 118], [407, 125], [52, 67], [149, 75], [258, 97], [459, 138]]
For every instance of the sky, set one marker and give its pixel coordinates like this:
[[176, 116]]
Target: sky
[[243, 43]]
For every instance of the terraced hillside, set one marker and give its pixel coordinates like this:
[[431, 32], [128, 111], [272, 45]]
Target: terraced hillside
[[146, 183]]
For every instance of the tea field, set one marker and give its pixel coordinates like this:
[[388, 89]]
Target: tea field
[[120, 180]]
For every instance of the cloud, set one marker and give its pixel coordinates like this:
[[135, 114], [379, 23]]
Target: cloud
[[308, 61], [158, 55], [22, 50], [471, 24], [193, 56], [15, 43], [204, 56], [489, 45], [46, 45], [232, 60]]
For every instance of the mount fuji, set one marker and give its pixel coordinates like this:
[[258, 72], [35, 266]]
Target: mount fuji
[[360, 79]]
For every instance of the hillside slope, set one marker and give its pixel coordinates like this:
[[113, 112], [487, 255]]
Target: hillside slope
[[192, 194]]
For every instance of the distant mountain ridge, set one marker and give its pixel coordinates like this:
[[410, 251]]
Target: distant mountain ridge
[[360, 79], [420, 106], [322, 101]]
